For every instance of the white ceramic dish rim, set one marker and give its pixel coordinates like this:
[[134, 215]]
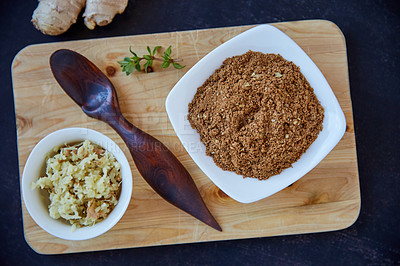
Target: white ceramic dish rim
[[266, 39], [35, 203]]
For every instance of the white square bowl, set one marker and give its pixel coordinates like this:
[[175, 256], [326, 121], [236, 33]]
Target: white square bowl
[[265, 39]]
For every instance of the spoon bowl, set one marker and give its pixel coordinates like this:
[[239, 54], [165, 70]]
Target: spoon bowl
[[84, 83]]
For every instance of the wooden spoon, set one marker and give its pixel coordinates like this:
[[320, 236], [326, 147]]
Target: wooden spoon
[[95, 94]]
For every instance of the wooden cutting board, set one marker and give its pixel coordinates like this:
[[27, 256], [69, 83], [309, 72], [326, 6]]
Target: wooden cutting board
[[327, 198]]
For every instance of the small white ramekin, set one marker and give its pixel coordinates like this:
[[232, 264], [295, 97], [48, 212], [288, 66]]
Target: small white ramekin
[[37, 204]]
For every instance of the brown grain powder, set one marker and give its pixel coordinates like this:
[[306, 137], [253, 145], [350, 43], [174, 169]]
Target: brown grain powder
[[256, 114]]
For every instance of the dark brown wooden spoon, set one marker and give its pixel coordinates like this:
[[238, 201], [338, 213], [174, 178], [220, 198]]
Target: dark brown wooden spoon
[[95, 94]]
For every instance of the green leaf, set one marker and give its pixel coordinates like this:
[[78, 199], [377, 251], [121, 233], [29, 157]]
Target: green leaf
[[137, 66], [155, 49], [125, 61], [165, 64], [148, 49], [129, 68], [147, 57], [136, 59], [132, 52], [126, 65], [177, 66], [168, 51], [146, 65]]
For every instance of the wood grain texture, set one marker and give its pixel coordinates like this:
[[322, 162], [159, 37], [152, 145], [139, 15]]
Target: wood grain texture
[[327, 198]]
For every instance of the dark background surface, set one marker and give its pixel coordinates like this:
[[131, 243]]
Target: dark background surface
[[372, 31]]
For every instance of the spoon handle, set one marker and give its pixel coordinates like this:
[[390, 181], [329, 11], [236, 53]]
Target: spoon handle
[[162, 170]]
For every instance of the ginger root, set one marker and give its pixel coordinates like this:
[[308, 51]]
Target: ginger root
[[102, 12], [53, 17]]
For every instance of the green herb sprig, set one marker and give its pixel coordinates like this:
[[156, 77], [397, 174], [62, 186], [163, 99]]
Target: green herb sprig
[[129, 64]]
